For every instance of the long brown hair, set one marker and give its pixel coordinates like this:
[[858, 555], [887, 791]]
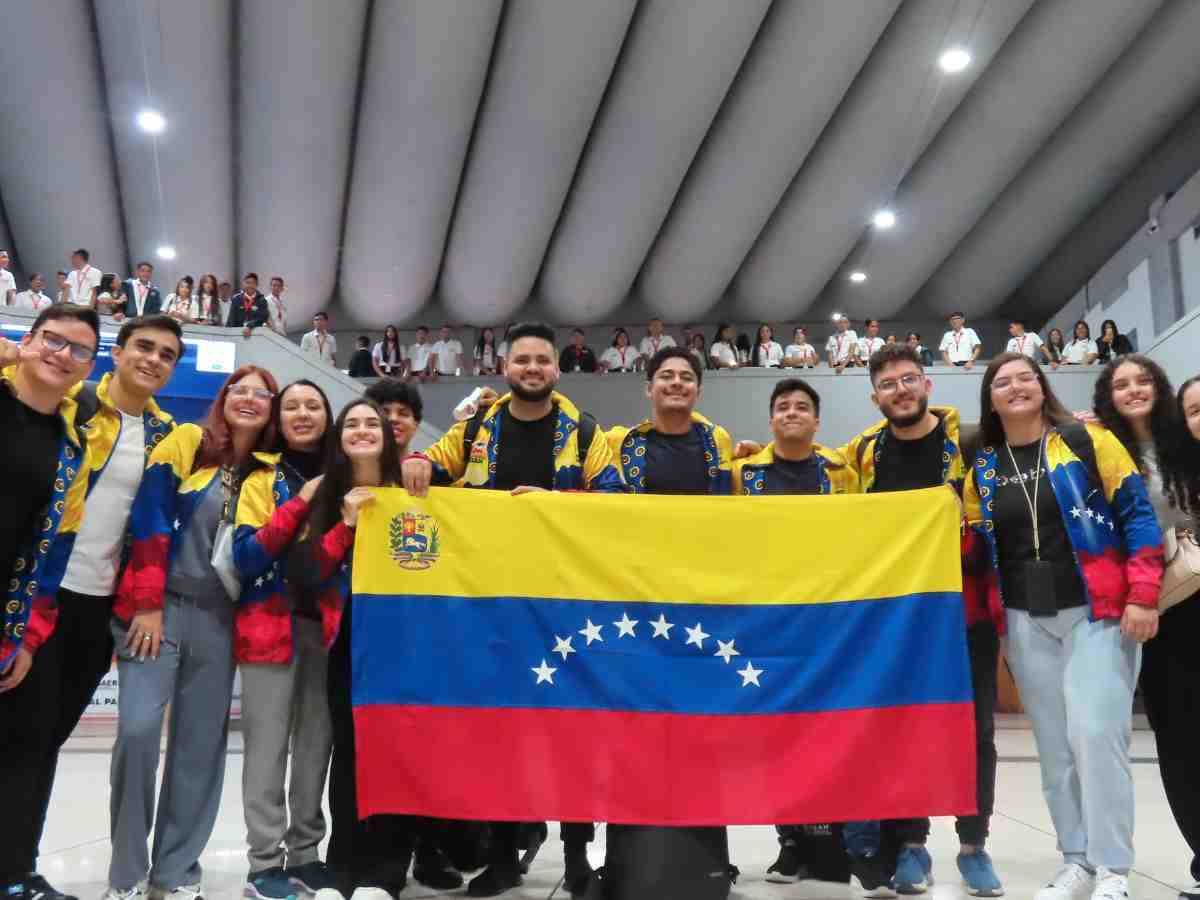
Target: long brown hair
[[990, 427], [216, 448]]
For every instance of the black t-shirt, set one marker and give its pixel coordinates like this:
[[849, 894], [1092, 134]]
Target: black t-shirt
[[1014, 528], [525, 454], [786, 476], [909, 465], [29, 461], [360, 364], [572, 357], [675, 463]]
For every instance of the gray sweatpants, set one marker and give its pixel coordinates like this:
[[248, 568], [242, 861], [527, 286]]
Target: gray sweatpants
[[1076, 679], [282, 705], [194, 675]]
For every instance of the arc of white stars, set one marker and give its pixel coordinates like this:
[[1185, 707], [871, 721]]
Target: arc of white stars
[[563, 647], [696, 635], [726, 650], [544, 672], [750, 675], [662, 628], [591, 632], [625, 626]]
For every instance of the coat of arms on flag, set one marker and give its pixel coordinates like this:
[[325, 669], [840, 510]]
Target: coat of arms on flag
[[415, 540]]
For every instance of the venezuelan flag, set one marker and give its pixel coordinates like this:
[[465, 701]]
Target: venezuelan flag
[[661, 660]]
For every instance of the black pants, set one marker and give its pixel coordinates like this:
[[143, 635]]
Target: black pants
[[38, 716], [506, 837], [1171, 691]]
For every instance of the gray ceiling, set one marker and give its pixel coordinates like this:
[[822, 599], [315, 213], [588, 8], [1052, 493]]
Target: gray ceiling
[[588, 158]]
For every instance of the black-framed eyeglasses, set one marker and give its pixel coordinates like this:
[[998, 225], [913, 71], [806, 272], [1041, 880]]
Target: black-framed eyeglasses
[[53, 342], [891, 385]]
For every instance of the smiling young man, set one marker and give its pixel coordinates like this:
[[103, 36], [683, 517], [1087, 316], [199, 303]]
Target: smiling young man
[[121, 424], [42, 496]]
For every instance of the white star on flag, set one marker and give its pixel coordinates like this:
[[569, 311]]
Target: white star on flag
[[591, 632], [1099, 519], [258, 582], [563, 646], [726, 650], [662, 628], [749, 675], [1090, 514], [176, 524], [544, 673], [696, 635], [1075, 511], [625, 626]]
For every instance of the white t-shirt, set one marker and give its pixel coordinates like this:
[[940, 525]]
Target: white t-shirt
[[723, 353], [803, 352], [959, 346], [620, 357], [1028, 343], [449, 354], [92, 568], [395, 360], [30, 300], [648, 347], [770, 354], [81, 282], [487, 358], [1078, 351], [276, 314], [322, 346], [7, 283], [839, 345], [867, 346], [418, 355]]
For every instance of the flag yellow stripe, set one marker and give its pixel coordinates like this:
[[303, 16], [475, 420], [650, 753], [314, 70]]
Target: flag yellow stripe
[[609, 547]]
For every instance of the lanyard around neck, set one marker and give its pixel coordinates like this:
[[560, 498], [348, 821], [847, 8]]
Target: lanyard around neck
[[1037, 483]]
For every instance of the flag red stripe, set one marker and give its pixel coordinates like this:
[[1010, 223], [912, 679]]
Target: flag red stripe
[[665, 768]]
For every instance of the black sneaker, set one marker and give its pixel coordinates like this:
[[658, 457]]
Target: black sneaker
[[579, 871], [494, 881], [787, 868], [872, 878], [531, 840], [311, 877], [433, 869], [33, 887]]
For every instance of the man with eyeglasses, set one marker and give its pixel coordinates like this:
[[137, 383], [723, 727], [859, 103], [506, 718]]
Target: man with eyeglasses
[[42, 496], [918, 446]]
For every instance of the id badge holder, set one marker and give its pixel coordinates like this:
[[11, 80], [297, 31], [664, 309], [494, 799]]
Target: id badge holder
[[1039, 586]]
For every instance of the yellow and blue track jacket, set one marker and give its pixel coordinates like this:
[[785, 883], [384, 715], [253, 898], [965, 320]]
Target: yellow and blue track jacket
[[864, 451], [629, 444], [835, 477]]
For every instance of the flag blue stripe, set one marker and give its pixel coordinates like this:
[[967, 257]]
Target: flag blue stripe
[[813, 658]]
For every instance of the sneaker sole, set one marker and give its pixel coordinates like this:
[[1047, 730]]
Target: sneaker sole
[[911, 890], [985, 892], [250, 892], [883, 891], [777, 877]]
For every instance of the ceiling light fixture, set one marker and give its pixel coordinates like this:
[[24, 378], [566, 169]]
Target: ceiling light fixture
[[151, 121], [166, 251], [954, 60], [858, 277], [885, 218]]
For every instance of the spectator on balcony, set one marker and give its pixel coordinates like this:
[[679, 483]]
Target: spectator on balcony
[[248, 308], [83, 280], [420, 357], [743, 348], [1082, 351], [960, 345], [183, 305], [362, 360], [723, 352], [208, 295], [654, 340], [842, 344], [1025, 342], [800, 353], [913, 340], [62, 292], [8, 283], [448, 352], [142, 297], [33, 299], [225, 296], [577, 356], [502, 353], [620, 357], [767, 353], [110, 297], [487, 359], [1112, 343], [869, 343], [891, 340], [1055, 346], [698, 348], [387, 359], [276, 309], [319, 342]]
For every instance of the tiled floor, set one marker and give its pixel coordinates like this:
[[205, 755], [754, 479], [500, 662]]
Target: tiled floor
[[76, 849]]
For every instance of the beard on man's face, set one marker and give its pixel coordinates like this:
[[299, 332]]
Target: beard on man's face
[[909, 421], [531, 396]]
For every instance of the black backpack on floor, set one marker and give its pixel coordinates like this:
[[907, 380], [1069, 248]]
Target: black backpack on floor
[[655, 863]]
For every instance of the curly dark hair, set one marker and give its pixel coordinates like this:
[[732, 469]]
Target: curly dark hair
[[1186, 462], [1166, 422]]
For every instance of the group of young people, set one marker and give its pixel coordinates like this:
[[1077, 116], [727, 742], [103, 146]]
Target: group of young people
[[189, 549]]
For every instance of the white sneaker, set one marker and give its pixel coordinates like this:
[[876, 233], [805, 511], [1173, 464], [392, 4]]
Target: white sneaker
[[134, 893], [183, 892], [329, 894], [1110, 886], [1072, 882], [371, 893]]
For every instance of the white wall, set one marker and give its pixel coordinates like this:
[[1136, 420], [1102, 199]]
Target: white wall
[[1189, 266]]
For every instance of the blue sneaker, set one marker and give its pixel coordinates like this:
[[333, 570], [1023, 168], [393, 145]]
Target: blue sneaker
[[979, 877], [914, 871], [269, 884]]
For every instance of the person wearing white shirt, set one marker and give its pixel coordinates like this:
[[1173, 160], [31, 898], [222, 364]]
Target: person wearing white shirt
[[620, 357], [868, 344], [33, 299], [1082, 351], [448, 351], [83, 279], [766, 353], [319, 342], [420, 355], [276, 308], [654, 340], [960, 346], [1024, 342], [722, 352], [8, 283], [800, 353], [487, 357], [387, 357], [184, 305], [842, 345]]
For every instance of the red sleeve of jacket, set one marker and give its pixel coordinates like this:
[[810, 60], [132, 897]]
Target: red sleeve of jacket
[[332, 549]]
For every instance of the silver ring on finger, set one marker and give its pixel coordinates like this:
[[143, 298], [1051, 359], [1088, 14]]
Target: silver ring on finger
[[145, 637]]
